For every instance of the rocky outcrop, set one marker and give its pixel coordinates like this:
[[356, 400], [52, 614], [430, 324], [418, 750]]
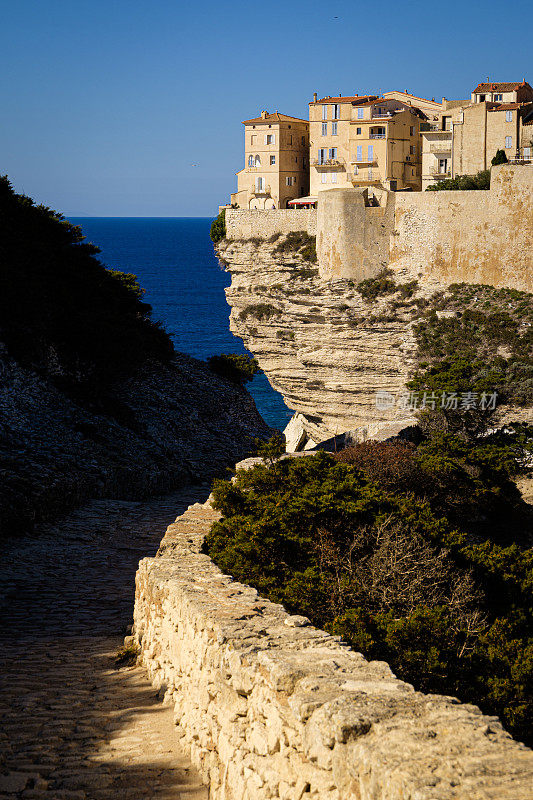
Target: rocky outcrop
[[270, 707], [166, 426], [325, 348]]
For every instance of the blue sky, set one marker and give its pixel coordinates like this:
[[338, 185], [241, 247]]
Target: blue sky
[[105, 105]]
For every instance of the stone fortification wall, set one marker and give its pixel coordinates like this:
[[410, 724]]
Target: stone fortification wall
[[472, 236], [270, 707], [242, 224], [450, 237], [352, 237]]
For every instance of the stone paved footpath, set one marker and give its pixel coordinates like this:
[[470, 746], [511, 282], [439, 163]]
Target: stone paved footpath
[[72, 725]]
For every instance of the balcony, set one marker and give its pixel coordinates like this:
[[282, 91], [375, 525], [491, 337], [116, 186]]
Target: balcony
[[253, 169], [521, 159], [365, 162], [378, 136], [362, 179], [328, 163], [441, 147], [388, 115], [436, 173], [256, 192]]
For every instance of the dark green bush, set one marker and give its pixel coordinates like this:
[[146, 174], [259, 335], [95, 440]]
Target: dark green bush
[[499, 158], [238, 369], [299, 242], [463, 182], [259, 311], [387, 546], [371, 288], [218, 227], [61, 311]]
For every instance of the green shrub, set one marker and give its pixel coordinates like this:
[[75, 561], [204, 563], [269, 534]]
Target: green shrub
[[371, 288], [388, 547], [259, 311], [463, 182], [499, 158], [238, 369], [218, 227], [271, 450], [299, 242]]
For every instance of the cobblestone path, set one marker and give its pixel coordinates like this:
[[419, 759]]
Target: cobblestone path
[[72, 725]]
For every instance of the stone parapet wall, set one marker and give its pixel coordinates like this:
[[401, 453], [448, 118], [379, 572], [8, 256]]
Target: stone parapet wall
[[270, 707], [469, 236], [243, 224]]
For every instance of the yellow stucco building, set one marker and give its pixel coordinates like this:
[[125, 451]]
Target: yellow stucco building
[[365, 140], [276, 162], [465, 137]]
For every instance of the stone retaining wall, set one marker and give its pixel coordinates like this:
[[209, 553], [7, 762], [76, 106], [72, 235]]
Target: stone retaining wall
[[270, 707], [243, 224]]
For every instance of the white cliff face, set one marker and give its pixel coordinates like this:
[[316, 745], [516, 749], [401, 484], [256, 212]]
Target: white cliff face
[[325, 348]]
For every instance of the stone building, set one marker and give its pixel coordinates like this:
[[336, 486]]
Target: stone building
[[330, 119], [362, 141], [464, 138], [385, 144], [276, 162]]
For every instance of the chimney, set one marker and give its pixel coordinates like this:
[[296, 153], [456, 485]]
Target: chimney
[[264, 114], [488, 79], [432, 99], [443, 99], [315, 97]]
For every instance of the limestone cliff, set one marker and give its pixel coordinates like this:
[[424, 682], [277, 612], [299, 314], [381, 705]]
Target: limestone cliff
[[324, 347]]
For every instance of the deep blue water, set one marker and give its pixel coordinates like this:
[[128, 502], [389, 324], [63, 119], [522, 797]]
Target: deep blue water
[[174, 261]]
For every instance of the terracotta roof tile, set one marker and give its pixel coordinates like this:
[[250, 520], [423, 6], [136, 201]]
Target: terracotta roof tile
[[498, 87], [275, 116], [358, 99], [407, 94], [504, 106]]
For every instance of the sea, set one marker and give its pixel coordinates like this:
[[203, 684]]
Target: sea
[[174, 261]]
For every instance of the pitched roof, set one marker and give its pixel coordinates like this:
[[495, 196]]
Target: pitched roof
[[414, 96], [498, 87], [274, 117], [504, 106], [356, 98]]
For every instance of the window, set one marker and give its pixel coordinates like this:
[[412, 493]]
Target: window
[[253, 138], [333, 128], [334, 177], [412, 130], [272, 160], [259, 184], [336, 111], [412, 172], [290, 181], [322, 155], [356, 170], [498, 98], [290, 139], [324, 112], [508, 116], [370, 152], [412, 149], [303, 140], [270, 138], [481, 98], [508, 142], [324, 129], [333, 152], [359, 156], [257, 161], [324, 177], [443, 166], [296, 159], [527, 152], [250, 161], [359, 131], [360, 113]]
